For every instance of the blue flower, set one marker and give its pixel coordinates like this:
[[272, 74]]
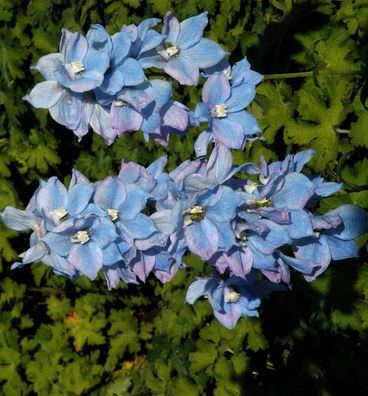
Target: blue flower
[[223, 108], [84, 61], [184, 49], [233, 297], [124, 70]]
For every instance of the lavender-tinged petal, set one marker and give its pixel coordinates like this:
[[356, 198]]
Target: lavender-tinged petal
[[216, 90], [354, 222], [124, 118], [152, 40], [110, 193], [230, 316], [139, 97], [111, 255], [182, 70], [176, 117], [171, 27], [162, 91], [68, 109], [88, 259], [101, 124], [316, 250], [202, 238], [196, 183], [112, 278], [143, 267]]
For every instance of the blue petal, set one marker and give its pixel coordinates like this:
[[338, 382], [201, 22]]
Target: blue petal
[[205, 54], [202, 238], [229, 133], [139, 228], [161, 90], [68, 110], [301, 224], [110, 193], [121, 46], [354, 222], [125, 118], [88, 259], [46, 65], [103, 232], [182, 70], [58, 244], [191, 31], [134, 202], [45, 94], [340, 249], [294, 193], [198, 289], [241, 96], [202, 142], [79, 197], [19, 220], [248, 122], [99, 39], [219, 164], [76, 48], [216, 90], [52, 195]]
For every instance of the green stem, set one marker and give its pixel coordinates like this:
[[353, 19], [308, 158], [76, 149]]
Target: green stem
[[310, 74]]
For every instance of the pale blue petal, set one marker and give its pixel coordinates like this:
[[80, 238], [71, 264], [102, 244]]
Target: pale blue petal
[[88, 259], [205, 54], [45, 94], [216, 90], [191, 31], [198, 289], [182, 70]]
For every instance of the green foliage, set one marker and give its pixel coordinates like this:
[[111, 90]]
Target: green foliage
[[63, 337]]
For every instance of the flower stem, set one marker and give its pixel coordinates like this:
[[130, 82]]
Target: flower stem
[[310, 74]]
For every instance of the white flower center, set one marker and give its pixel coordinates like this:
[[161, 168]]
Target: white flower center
[[172, 50], [113, 214], [81, 237], [227, 73], [230, 295], [264, 180], [75, 68], [219, 111], [120, 103], [250, 187], [196, 213], [169, 50], [59, 214]]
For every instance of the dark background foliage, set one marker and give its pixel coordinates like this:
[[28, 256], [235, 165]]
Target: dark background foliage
[[59, 337]]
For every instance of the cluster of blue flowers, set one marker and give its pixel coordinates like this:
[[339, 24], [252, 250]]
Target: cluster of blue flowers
[[99, 81], [242, 227], [250, 230]]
